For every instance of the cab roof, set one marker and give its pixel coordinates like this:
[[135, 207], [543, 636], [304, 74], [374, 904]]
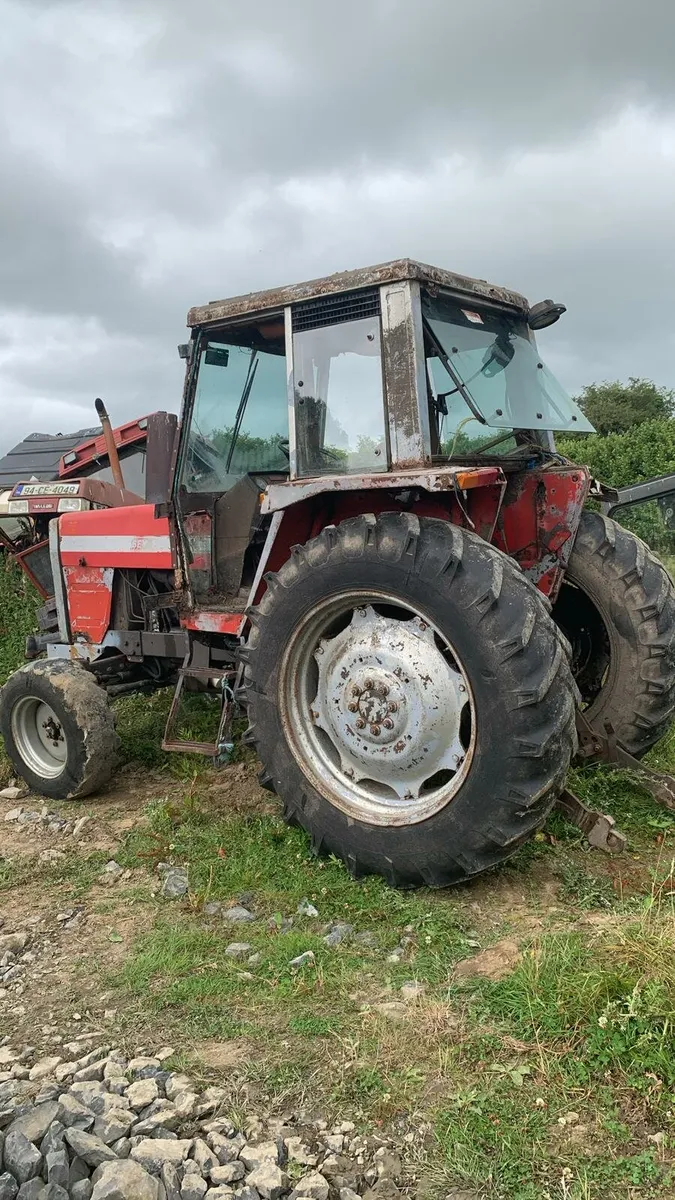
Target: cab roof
[[400, 269]]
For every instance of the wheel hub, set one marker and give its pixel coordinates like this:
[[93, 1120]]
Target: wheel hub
[[390, 701]]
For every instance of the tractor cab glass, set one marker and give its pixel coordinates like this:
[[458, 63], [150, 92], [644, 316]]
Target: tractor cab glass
[[239, 419], [236, 436], [337, 386], [485, 366]]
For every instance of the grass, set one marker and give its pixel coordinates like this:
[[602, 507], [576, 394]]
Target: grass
[[487, 1075]]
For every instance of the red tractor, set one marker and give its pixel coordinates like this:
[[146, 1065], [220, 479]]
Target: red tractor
[[367, 526]]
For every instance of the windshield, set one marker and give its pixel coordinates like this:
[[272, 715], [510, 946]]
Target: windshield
[[487, 367], [239, 420]]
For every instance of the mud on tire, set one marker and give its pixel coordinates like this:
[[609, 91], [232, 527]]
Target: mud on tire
[[58, 729], [617, 609], [514, 659]]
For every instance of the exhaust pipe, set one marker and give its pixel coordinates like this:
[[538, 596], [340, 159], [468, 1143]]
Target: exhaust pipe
[[110, 446]]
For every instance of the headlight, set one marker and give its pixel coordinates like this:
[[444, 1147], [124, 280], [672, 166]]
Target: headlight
[[72, 504], [17, 507]]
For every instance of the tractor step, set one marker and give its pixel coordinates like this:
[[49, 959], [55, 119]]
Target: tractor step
[[221, 749]]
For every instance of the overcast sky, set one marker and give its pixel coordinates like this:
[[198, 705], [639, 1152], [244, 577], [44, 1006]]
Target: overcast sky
[[157, 154]]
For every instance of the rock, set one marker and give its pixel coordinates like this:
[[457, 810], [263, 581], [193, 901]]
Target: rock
[[21, 1158], [237, 915], [176, 1084], [30, 1190], [193, 1187], [384, 1189], [169, 1177], [81, 1190], [312, 1187], [243, 1193], [52, 1191], [113, 1126], [111, 872], [71, 1113], [175, 883], [123, 1181], [142, 1093], [53, 1139], [305, 909], [387, 1164], [11, 793], [346, 1193], [122, 1148], [185, 1104], [57, 1167], [65, 1071], [8, 1187], [43, 1068], [152, 1152], [229, 1173], [89, 1148], [302, 960], [334, 1142], [87, 1074], [203, 1156], [494, 963], [164, 1053], [254, 1155], [79, 826], [412, 990], [268, 1180], [299, 1152], [78, 1171], [238, 949], [338, 934], [35, 1123], [141, 1062]]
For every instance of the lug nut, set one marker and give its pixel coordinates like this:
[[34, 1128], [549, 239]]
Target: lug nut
[[353, 707], [356, 691], [388, 723], [393, 707], [360, 723], [375, 730], [368, 683]]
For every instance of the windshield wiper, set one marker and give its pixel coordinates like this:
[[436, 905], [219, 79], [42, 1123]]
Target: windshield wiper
[[459, 385], [252, 368]]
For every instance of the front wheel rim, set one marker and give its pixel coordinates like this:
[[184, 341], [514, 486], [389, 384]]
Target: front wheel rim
[[377, 708], [39, 737]]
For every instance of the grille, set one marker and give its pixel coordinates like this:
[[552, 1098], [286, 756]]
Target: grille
[[333, 310]]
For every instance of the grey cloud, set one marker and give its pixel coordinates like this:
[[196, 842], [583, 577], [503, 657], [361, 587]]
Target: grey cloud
[[158, 155]]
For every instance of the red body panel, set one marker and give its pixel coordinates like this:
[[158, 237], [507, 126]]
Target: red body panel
[[88, 452], [116, 537], [89, 591]]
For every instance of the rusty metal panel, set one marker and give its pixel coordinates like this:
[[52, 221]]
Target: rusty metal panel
[[162, 428], [276, 299], [405, 375], [442, 479]]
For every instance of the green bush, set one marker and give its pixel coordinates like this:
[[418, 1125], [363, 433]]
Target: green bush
[[19, 602]]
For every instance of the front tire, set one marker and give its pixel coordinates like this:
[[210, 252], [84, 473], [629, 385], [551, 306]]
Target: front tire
[[58, 729], [616, 607], [410, 698]]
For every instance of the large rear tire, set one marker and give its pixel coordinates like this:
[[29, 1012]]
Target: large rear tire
[[617, 609], [58, 729], [410, 698]]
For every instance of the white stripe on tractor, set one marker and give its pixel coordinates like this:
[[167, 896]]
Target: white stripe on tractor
[[116, 544]]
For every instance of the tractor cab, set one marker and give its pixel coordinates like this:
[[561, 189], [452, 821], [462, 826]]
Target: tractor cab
[[339, 383]]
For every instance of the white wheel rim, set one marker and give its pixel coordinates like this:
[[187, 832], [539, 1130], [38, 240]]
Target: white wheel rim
[[39, 737], [377, 708]]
